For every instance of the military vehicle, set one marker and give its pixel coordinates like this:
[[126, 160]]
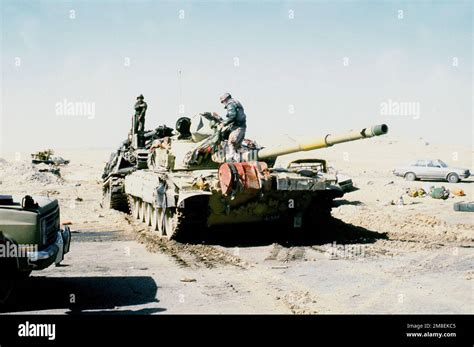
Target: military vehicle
[[131, 155], [46, 157], [191, 183]]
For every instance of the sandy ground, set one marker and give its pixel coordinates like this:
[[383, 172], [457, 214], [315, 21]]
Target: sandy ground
[[372, 258]]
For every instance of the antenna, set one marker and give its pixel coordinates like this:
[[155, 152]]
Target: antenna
[[180, 88]]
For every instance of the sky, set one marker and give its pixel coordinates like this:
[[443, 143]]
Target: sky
[[71, 70]]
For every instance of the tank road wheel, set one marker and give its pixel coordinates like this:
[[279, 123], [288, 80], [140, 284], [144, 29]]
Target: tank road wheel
[[160, 216], [170, 224], [160, 219], [148, 212], [142, 213], [154, 219], [136, 208]]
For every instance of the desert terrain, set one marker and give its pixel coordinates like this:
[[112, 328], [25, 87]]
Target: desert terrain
[[372, 257]]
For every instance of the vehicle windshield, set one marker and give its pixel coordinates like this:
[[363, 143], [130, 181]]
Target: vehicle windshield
[[442, 163]]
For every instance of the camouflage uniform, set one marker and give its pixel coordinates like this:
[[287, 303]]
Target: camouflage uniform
[[236, 118], [139, 118]]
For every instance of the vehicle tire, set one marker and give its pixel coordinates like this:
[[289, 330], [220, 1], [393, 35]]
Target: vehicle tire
[[10, 275], [453, 178], [6, 287], [410, 176]]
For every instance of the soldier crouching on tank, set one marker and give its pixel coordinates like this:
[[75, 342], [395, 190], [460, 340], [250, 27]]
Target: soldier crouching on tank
[[236, 122]]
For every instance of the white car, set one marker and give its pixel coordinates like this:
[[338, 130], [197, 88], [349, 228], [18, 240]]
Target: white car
[[432, 169]]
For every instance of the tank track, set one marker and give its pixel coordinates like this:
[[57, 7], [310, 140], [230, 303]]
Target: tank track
[[118, 201], [191, 218]]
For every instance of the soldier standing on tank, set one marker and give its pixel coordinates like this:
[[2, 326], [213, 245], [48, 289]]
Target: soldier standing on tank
[[139, 118], [236, 121]]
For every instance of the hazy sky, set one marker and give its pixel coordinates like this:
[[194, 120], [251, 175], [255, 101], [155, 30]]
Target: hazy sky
[[298, 67]]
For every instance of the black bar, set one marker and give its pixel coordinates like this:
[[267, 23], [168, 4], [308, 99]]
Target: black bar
[[317, 330]]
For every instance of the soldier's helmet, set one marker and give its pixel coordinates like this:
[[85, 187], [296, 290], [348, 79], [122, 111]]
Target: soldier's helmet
[[225, 97], [140, 97]]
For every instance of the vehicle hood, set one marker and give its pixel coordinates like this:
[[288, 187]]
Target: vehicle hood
[[456, 168], [44, 204]]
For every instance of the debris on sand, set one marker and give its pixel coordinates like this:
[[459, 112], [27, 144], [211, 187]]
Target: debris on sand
[[458, 192], [49, 168], [186, 279], [284, 254], [300, 302], [464, 206], [50, 192], [416, 192], [398, 202], [439, 193]]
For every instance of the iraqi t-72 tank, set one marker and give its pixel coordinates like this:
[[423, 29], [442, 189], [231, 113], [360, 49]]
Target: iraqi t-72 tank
[[191, 183]]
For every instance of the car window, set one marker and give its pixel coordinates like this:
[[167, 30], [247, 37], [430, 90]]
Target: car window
[[442, 163], [421, 163], [432, 164]]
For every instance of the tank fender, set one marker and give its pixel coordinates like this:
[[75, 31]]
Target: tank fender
[[190, 194]]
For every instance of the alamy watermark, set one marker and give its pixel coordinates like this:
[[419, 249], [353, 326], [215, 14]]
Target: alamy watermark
[[344, 251], [400, 108], [28, 329], [75, 109], [12, 250]]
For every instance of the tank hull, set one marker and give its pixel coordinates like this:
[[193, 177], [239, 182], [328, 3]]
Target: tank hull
[[289, 198]]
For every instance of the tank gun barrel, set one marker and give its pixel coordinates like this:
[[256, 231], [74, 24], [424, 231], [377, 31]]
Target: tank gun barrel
[[322, 142]]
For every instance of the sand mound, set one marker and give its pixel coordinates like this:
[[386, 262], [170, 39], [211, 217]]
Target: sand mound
[[19, 172]]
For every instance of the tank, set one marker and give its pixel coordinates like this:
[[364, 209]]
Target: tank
[[130, 155], [190, 181]]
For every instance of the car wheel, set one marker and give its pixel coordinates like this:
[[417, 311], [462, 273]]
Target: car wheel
[[10, 275], [410, 176], [453, 178], [6, 287]]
